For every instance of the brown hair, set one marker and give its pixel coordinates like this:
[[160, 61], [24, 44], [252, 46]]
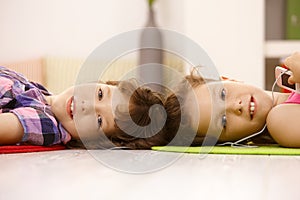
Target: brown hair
[[178, 117], [132, 128]]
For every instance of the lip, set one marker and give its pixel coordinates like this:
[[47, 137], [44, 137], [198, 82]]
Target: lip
[[69, 102], [252, 100]]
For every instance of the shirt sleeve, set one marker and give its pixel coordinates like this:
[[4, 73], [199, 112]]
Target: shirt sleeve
[[6, 94], [39, 128]]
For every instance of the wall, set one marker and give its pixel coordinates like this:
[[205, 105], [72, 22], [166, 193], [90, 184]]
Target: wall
[[230, 31], [62, 27]]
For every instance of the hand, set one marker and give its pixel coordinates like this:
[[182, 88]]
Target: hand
[[293, 63]]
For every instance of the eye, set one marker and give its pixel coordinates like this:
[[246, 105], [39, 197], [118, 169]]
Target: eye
[[224, 121], [100, 94], [99, 120], [223, 94]]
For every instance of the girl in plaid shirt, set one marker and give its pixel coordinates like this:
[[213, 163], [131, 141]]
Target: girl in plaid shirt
[[94, 114]]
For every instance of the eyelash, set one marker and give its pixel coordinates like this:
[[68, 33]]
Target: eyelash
[[99, 120], [224, 121], [223, 96], [100, 96]]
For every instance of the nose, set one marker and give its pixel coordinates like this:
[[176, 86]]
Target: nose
[[235, 107], [86, 106]]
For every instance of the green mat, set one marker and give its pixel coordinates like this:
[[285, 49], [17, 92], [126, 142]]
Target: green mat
[[262, 150]]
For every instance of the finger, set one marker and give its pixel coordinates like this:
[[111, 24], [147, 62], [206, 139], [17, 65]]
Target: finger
[[291, 80], [287, 62]]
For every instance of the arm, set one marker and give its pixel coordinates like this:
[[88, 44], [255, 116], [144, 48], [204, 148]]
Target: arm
[[11, 130], [283, 123]]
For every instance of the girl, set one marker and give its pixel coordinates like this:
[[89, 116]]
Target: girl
[[231, 111], [91, 113]]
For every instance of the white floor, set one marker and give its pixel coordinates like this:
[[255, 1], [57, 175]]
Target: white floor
[[81, 174]]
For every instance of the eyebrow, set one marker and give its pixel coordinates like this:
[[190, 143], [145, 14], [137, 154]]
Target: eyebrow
[[108, 91], [108, 95], [214, 91]]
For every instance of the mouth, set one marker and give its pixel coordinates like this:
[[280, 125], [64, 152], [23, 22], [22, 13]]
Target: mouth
[[252, 107], [70, 107]]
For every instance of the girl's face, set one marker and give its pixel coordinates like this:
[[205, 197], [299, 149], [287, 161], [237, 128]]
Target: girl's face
[[85, 110], [231, 110]]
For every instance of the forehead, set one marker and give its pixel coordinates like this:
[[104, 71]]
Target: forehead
[[206, 96], [210, 106], [209, 91]]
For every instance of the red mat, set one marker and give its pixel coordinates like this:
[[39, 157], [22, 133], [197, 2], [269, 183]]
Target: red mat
[[29, 148]]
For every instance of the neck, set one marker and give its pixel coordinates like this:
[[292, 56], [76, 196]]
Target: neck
[[278, 97], [49, 99]]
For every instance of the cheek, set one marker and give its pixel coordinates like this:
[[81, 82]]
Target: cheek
[[239, 128], [70, 127], [86, 125], [246, 129]]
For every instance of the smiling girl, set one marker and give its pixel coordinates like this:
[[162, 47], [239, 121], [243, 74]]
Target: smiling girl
[[229, 111], [89, 112]]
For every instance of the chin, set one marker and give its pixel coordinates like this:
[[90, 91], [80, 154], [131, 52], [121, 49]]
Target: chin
[[71, 129]]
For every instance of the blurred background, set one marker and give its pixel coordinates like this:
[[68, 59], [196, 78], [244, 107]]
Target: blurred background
[[245, 39]]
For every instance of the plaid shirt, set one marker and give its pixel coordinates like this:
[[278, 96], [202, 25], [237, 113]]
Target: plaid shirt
[[25, 99]]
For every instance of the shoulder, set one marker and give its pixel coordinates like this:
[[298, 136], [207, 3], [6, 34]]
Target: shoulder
[[283, 123], [40, 127]]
